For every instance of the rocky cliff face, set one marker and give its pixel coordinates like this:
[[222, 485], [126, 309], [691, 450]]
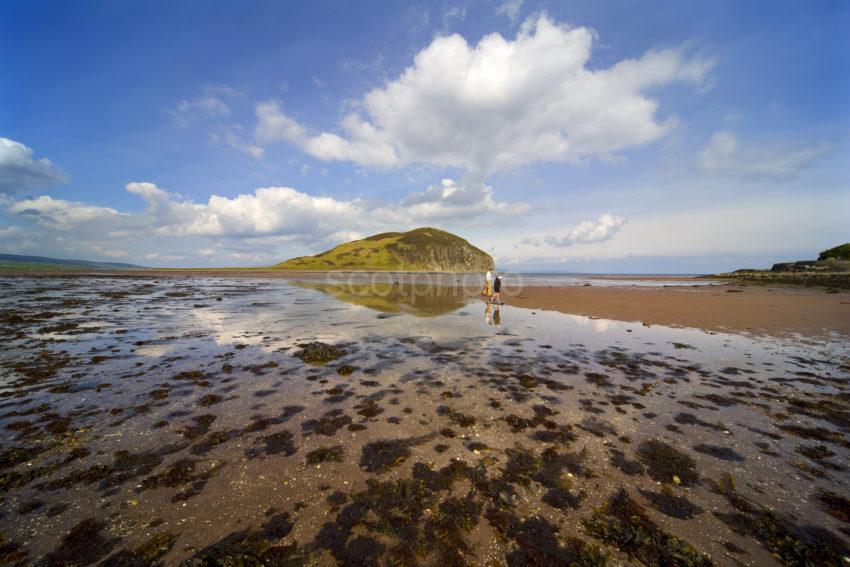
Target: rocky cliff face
[[422, 249]]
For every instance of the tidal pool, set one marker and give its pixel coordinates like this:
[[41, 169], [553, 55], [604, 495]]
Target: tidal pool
[[218, 421]]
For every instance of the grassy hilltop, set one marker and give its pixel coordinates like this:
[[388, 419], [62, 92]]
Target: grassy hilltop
[[419, 250]]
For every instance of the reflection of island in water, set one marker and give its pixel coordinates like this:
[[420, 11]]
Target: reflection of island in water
[[413, 299]]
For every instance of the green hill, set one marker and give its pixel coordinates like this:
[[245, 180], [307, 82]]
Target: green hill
[[841, 252], [420, 250], [17, 262]]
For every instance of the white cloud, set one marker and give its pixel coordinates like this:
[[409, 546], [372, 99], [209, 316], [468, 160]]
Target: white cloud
[[20, 171], [448, 200], [166, 257], [587, 232], [510, 9], [499, 104], [274, 215], [724, 156], [269, 210], [273, 125], [61, 214]]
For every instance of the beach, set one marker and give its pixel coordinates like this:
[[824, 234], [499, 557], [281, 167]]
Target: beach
[[730, 307], [285, 421]]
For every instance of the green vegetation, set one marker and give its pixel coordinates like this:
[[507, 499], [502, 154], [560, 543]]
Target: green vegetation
[[419, 250], [841, 252], [39, 263]]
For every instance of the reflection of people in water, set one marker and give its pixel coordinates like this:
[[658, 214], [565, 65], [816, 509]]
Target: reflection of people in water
[[492, 315]]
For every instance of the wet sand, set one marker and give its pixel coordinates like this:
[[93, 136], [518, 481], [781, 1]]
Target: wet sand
[[731, 308], [727, 307], [264, 421]]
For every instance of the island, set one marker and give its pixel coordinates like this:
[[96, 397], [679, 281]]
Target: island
[[423, 249]]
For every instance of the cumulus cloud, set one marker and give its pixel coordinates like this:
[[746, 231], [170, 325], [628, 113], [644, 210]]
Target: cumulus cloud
[[450, 200], [499, 104], [268, 211], [60, 214], [280, 212], [20, 171], [510, 9], [724, 156], [587, 232]]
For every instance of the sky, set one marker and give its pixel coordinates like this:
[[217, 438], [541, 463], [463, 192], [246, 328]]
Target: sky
[[609, 137]]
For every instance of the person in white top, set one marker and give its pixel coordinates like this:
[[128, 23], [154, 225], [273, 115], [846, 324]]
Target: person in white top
[[488, 283]]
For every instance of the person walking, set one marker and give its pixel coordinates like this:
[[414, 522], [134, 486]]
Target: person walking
[[488, 283], [497, 288]]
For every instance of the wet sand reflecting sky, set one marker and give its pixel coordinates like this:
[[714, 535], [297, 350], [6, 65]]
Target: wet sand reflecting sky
[[170, 419]]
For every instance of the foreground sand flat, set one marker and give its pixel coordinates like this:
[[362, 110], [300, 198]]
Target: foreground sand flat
[[222, 420]]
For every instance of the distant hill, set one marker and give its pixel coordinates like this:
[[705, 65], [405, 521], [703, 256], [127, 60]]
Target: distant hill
[[16, 262], [420, 250]]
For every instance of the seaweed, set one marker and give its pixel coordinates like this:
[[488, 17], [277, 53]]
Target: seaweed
[[11, 553], [84, 544], [148, 553], [456, 417], [629, 467], [622, 522], [665, 463], [328, 424], [718, 452], [537, 543], [325, 455], [345, 369], [669, 503], [210, 399], [836, 505], [318, 353], [789, 543], [384, 454], [280, 442], [369, 408]]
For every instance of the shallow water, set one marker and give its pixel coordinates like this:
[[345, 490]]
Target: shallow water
[[170, 419]]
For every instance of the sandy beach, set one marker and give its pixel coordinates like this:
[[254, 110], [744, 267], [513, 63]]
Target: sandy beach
[[729, 308]]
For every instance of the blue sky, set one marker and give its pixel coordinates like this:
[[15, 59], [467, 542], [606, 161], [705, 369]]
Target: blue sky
[[565, 136]]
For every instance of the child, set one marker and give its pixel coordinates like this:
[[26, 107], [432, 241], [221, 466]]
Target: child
[[497, 288]]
